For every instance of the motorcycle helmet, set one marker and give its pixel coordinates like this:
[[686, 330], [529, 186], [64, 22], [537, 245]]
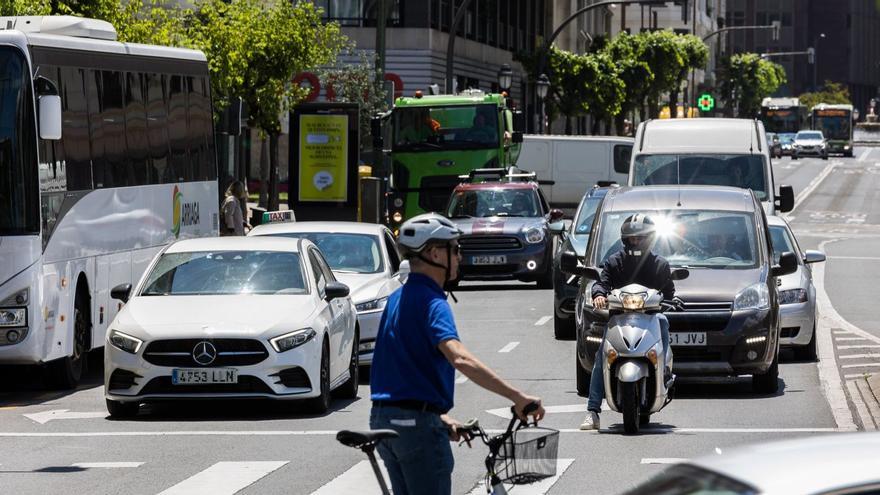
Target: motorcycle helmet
[[637, 234]]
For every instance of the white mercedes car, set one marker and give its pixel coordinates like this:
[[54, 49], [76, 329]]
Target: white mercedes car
[[363, 256], [232, 317], [797, 294]]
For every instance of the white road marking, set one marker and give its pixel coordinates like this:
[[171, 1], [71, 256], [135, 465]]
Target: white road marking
[[857, 375], [864, 155], [813, 185], [862, 365], [504, 412], [224, 478], [860, 356], [357, 480], [509, 347], [829, 375], [867, 421], [663, 460], [859, 258], [543, 320], [863, 346], [848, 339], [717, 430], [46, 416], [539, 488], [106, 465]]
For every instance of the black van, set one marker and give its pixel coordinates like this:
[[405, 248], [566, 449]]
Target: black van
[[728, 323]]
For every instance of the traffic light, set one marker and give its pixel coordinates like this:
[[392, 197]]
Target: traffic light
[[777, 25]]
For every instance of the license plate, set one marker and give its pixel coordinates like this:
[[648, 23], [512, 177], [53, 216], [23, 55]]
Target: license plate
[[489, 260], [688, 338], [204, 377]]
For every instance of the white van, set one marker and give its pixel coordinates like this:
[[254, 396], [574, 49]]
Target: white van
[[708, 151], [574, 164]]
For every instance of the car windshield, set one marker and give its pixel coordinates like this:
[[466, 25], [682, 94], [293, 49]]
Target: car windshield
[[346, 253], [697, 239], [494, 203], [809, 135], [446, 128], [683, 479], [786, 138], [226, 272], [19, 200], [744, 171], [584, 222], [781, 240]]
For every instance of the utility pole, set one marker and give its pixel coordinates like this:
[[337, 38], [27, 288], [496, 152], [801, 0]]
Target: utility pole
[[450, 45], [381, 14]]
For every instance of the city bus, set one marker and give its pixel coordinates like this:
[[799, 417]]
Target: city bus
[[437, 138], [835, 122], [106, 155], [783, 115]]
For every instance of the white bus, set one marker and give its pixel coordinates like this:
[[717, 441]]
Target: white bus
[[106, 155]]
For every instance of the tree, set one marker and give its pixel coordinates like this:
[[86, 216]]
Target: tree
[[746, 79], [695, 55], [634, 73], [661, 51], [254, 49], [832, 93]]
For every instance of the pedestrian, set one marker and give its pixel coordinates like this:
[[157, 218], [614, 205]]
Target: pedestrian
[[413, 371], [233, 222]]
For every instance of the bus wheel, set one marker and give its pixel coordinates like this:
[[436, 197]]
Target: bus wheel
[[66, 372]]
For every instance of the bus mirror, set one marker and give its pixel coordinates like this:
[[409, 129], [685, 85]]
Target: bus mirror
[[50, 117]]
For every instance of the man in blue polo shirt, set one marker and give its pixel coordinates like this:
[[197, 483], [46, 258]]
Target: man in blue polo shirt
[[413, 371]]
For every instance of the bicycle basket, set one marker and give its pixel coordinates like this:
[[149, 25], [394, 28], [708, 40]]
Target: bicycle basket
[[528, 455]]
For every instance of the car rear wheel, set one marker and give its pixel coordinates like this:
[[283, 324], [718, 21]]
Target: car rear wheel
[[321, 403], [807, 352], [120, 410], [582, 378], [349, 389], [563, 328], [768, 383]]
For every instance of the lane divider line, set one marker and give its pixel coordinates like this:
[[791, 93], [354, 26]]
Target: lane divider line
[[106, 465], [864, 155], [224, 478], [543, 320], [663, 460], [509, 347]]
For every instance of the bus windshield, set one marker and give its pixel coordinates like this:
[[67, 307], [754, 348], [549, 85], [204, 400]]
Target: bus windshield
[[19, 204], [744, 171], [784, 119], [833, 126], [458, 127]]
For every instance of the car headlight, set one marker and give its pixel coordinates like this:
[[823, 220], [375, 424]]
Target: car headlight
[[13, 317], [125, 342], [823, 145], [846, 146], [292, 340], [534, 235], [753, 297], [632, 301], [792, 296], [374, 305]]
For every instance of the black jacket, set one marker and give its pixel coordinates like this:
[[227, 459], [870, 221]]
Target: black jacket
[[621, 269]]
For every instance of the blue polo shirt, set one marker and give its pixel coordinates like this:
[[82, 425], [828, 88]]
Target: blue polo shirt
[[407, 365]]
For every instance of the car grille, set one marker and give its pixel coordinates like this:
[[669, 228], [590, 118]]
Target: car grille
[[696, 354], [474, 244], [698, 321], [295, 377], [706, 306], [487, 270], [246, 384], [230, 352]]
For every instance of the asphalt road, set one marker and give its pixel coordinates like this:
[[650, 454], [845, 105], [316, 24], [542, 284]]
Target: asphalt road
[[63, 443]]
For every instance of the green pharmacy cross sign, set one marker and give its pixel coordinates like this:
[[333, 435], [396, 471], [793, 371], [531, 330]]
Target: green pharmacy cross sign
[[706, 102]]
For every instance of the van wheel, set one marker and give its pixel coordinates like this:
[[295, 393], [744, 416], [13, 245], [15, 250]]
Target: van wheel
[[768, 383], [807, 352], [321, 403], [582, 378], [122, 409], [65, 373]]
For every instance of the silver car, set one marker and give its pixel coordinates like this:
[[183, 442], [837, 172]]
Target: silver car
[[839, 464], [797, 294]]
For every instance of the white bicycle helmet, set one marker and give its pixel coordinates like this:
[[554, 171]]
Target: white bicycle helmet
[[420, 230]]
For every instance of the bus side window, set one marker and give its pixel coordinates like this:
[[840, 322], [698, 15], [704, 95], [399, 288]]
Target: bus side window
[[200, 128], [177, 128], [75, 130], [157, 129], [136, 129], [96, 129]]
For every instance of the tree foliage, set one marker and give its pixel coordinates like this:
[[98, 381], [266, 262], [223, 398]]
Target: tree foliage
[[746, 79], [831, 93], [635, 74]]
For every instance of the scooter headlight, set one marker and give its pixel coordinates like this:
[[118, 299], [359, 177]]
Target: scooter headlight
[[632, 301]]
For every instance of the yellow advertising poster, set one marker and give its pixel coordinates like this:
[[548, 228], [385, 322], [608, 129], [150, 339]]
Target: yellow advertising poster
[[323, 158]]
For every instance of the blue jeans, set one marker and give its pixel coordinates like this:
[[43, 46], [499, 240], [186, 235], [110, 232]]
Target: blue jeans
[[420, 460], [597, 380]]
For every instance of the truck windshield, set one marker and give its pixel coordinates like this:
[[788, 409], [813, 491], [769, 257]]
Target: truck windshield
[[19, 201], [456, 127], [744, 171]]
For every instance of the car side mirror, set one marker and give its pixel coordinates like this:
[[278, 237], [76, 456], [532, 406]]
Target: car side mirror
[[557, 227], [787, 264], [50, 117], [785, 200], [121, 292], [811, 256], [403, 271], [516, 137], [335, 290], [556, 214], [679, 273]]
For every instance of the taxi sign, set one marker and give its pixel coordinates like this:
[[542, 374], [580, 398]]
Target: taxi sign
[[278, 216]]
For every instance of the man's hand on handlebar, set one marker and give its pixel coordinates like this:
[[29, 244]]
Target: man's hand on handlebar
[[600, 302], [452, 425], [529, 406]]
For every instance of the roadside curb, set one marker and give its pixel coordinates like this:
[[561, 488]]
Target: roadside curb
[[872, 397]]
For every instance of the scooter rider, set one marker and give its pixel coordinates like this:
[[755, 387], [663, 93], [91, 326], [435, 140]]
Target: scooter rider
[[634, 264], [413, 371]]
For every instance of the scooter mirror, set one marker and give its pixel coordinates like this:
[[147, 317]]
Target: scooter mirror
[[680, 273]]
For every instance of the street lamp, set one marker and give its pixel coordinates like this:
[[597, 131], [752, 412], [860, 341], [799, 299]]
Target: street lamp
[[542, 85], [816, 60], [505, 77]]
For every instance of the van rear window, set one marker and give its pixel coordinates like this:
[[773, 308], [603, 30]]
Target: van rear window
[[744, 171]]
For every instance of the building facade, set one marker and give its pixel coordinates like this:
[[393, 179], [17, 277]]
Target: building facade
[[844, 33]]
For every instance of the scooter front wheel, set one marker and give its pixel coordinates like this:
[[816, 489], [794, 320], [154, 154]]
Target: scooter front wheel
[[631, 407]]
